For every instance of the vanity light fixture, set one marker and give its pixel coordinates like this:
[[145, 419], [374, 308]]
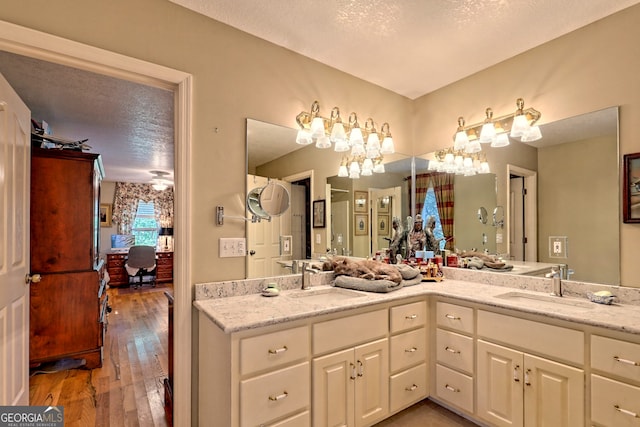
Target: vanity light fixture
[[520, 125], [366, 144], [459, 162]]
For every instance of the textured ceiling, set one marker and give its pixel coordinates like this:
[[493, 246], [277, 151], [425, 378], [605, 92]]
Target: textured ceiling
[[410, 47]]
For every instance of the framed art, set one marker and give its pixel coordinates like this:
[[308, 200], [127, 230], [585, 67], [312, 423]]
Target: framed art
[[105, 214], [383, 225], [631, 190], [361, 224], [319, 213], [383, 204], [360, 201]]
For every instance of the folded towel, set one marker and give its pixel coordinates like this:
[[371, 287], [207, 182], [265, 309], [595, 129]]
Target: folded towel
[[406, 271], [505, 267], [411, 282], [366, 284]]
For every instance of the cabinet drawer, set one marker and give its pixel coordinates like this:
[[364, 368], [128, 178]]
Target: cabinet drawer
[[273, 395], [273, 350], [408, 349], [616, 357], [407, 316], [454, 350], [455, 317], [614, 404], [454, 387], [349, 331], [554, 341], [408, 387], [300, 420]]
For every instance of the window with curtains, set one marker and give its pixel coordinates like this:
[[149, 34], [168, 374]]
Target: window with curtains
[[127, 198], [439, 187], [430, 208], [145, 227]]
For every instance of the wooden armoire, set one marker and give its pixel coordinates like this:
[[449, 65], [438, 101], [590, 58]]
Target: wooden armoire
[[69, 303]]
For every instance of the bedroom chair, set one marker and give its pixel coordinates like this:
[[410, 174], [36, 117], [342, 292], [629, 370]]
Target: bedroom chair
[[141, 262]]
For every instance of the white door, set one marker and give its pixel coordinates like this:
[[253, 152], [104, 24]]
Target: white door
[[516, 238], [340, 227], [15, 149]]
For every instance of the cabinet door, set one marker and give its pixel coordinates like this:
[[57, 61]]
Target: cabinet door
[[554, 393], [372, 382], [334, 378], [500, 375]]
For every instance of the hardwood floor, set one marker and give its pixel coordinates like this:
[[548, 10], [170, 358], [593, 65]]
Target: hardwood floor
[[128, 389]]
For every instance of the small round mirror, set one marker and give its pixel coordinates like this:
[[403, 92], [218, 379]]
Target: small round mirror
[[270, 200], [482, 215], [498, 216]]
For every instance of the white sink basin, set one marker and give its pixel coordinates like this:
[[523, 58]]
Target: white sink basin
[[326, 295], [545, 300]]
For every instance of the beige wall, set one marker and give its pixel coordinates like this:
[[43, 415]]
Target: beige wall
[[238, 76]]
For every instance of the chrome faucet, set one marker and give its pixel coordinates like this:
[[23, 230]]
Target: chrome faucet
[[306, 275], [556, 280]]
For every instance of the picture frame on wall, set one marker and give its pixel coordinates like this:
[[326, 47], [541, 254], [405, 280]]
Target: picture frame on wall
[[360, 201], [319, 213], [383, 225], [631, 190], [361, 224], [383, 204], [106, 210]]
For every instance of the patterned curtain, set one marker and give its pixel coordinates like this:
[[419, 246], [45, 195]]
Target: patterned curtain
[[125, 204], [443, 189], [422, 185]]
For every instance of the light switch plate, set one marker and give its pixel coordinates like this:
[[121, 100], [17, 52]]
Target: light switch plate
[[232, 247]]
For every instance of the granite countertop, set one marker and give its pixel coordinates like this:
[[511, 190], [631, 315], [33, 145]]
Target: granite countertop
[[237, 313]]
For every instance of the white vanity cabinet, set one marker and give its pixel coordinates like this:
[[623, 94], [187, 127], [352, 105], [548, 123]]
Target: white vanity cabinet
[[408, 382], [350, 385], [516, 388], [454, 352], [615, 382]]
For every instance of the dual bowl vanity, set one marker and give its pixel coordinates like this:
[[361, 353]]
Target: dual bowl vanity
[[497, 349]]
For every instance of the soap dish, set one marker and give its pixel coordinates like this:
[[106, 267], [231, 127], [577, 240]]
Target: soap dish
[[601, 299]]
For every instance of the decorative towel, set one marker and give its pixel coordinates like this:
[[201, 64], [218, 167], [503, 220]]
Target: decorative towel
[[410, 282], [367, 285], [407, 271]]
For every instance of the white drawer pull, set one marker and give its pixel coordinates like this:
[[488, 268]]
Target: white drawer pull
[[279, 397], [627, 361], [453, 389], [353, 371], [411, 350], [452, 317], [411, 388], [516, 373], [526, 377], [452, 350], [625, 411], [360, 369], [278, 350], [412, 317]]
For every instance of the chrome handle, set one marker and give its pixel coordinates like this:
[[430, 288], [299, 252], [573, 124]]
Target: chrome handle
[[360, 369], [353, 371], [453, 389], [411, 388], [627, 361], [279, 397], [35, 278], [452, 350], [410, 350], [278, 350], [516, 373], [526, 377], [626, 411], [412, 317], [452, 317]]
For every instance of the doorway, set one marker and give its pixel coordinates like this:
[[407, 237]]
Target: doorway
[[35, 44], [522, 228]]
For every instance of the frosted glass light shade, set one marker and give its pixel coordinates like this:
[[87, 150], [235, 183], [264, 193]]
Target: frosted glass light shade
[[341, 145], [473, 147], [304, 137], [387, 146], [354, 167], [520, 126], [317, 127], [501, 140], [373, 142], [338, 134], [461, 140], [378, 168], [355, 137], [323, 142], [357, 150], [534, 134], [487, 133], [343, 172]]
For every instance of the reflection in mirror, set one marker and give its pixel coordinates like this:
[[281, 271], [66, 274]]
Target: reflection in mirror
[[482, 215], [268, 201], [498, 217], [566, 184]]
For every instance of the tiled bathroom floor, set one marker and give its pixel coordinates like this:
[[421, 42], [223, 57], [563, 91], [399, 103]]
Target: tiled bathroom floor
[[426, 414]]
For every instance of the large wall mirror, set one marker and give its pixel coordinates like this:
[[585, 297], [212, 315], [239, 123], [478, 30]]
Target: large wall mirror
[[571, 177]]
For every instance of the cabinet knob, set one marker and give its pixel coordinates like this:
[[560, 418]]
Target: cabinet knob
[[28, 279]]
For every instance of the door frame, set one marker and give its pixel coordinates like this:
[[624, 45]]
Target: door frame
[[35, 44], [530, 210]]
